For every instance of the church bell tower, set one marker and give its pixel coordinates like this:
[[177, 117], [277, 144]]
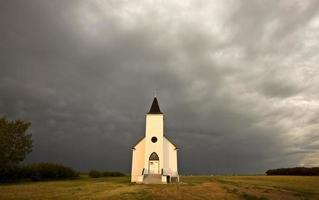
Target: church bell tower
[[154, 132]]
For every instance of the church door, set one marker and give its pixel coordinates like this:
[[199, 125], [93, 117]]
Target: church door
[[154, 164]]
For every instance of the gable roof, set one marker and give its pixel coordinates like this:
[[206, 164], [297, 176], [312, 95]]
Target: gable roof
[[155, 107], [140, 140], [171, 142]]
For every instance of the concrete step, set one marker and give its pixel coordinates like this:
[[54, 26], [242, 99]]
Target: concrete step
[[152, 179]]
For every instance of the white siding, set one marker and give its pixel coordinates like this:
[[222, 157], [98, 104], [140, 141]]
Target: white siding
[[165, 150], [170, 156], [154, 128], [138, 160]]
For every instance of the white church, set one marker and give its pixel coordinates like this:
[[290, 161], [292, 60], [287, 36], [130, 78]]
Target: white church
[[154, 158]]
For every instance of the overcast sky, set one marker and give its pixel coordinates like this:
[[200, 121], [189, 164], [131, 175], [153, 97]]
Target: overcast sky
[[238, 81]]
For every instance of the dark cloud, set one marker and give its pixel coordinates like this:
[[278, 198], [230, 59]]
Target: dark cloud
[[236, 80]]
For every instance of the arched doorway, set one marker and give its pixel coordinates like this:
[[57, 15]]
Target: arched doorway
[[153, 164]]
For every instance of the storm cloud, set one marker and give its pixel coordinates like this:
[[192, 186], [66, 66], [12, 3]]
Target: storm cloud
[[237, 80]]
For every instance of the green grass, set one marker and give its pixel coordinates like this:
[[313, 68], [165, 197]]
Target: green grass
[[192, 187]]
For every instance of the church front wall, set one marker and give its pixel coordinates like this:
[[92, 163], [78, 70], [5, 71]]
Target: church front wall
[[154, 128], [138, 160]]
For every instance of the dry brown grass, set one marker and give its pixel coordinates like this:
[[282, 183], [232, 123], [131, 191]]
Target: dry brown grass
[[275, 187], [231, 188], [207, 190]]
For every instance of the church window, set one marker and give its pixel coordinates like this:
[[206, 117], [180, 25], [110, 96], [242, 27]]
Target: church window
[[154, 156], [154, 139]]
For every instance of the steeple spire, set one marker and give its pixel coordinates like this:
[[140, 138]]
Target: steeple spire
[[155, 107]]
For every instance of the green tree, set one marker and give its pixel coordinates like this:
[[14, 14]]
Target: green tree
[[15, 142]]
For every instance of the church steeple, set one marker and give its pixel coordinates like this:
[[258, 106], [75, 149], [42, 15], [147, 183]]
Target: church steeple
[[155, 107]]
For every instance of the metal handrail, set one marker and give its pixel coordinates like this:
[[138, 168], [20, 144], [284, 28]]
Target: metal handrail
[[163, 172]]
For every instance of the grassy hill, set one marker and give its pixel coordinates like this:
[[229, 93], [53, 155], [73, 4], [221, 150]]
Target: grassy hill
[[192, 187]]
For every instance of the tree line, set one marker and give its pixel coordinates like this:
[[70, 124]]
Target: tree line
[[300, 171], [98, 174]]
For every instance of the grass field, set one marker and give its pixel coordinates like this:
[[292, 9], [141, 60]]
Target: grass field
[[192, 187]]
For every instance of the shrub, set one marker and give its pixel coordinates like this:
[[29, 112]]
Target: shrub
[[113, 174], [98, 174], [12, 173], [42, 171], [37, 172], [95, 174]]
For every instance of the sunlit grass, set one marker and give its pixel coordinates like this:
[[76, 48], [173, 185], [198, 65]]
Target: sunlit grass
[[304, 184], [191, 187]]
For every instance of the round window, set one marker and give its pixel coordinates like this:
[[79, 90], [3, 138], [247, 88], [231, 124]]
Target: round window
[[154, 139]]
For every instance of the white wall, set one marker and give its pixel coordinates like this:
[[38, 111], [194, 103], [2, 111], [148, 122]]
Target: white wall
[[165, 150], [138, 160], [154, 128], [170, 155]]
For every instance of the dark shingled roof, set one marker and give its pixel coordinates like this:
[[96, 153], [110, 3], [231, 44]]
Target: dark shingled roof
[[155, 107]]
